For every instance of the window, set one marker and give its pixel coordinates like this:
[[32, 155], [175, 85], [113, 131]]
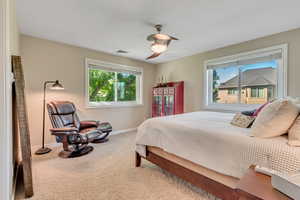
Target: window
[[112, 84], [232, 91], [245, 80], [258, 92]]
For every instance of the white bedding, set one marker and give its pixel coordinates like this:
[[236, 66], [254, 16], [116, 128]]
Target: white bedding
[[208, 139]]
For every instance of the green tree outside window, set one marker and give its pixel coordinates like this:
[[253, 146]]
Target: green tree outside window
[[106, 86]]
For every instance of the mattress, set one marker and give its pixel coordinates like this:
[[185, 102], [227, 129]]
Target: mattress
[[208, 139]]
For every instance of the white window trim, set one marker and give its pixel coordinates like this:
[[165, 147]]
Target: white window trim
[[281, 77], [138, 102]]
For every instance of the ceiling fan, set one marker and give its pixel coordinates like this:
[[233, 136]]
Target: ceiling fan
[[160, 42]]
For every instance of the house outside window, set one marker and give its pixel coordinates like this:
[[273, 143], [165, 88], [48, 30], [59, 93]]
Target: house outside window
[[231, 91], [112, 85], [257, 82], [245, 80]]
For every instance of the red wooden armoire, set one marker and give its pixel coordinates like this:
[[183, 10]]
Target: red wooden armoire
[[168, 99]]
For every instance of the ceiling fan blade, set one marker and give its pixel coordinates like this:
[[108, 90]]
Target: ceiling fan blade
[[154, 55], [168, 42], [173, 38]]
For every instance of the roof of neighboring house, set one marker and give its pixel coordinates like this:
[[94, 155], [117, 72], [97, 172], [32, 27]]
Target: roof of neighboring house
[[252, 77]]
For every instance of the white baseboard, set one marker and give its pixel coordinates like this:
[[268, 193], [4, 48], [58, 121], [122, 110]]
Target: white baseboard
[[116, 132], [53, 145]]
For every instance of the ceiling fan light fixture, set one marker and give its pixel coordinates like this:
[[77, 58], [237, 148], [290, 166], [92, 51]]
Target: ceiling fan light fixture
[[158, 48], [160, 36]]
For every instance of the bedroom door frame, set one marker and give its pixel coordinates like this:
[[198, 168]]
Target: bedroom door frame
[[6, 163]]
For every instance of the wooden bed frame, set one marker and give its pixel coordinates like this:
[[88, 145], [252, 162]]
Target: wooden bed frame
[[202, 181]]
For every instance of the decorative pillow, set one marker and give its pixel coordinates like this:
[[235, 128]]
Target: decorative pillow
[[294, 133], [242, 121], [249, 112], [275, 119]]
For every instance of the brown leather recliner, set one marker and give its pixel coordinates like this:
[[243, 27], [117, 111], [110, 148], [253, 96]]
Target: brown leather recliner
[[70, 131]]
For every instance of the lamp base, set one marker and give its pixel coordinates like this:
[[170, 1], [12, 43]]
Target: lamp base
[[42, 150]]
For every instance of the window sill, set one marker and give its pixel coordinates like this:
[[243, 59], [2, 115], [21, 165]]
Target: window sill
[[112, 105], [231, 108]]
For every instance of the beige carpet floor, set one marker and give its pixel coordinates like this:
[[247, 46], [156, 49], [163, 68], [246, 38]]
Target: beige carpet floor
[[107, 173]]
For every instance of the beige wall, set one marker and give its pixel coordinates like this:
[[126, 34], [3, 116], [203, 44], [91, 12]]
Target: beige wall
[[190, 69], [47, 60]]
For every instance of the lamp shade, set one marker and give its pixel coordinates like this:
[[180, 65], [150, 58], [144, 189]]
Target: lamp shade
[[57, 86]]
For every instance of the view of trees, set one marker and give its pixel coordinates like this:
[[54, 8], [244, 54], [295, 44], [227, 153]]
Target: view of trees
[[215, 86], [102, 86], [126, 87]]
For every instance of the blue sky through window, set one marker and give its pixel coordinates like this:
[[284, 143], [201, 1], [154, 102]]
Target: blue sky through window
[[229, 72]]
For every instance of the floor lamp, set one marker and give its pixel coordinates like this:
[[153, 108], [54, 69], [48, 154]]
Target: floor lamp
[[55, 86]]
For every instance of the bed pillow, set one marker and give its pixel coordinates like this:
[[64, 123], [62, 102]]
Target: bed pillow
[[275, 119], [294, 133], [295, 100], [242, 120]]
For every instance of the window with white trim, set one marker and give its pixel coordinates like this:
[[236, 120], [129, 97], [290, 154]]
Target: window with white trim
[[245, 80], [109, 84]]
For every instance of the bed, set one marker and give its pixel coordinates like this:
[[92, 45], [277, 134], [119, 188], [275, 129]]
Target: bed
[[205, 145]]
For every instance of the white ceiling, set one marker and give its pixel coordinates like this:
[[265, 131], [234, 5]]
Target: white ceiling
[[201, 25]]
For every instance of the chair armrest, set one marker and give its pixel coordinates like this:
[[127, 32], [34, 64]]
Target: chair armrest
[[89, 124], [105, 127], [64, 131]]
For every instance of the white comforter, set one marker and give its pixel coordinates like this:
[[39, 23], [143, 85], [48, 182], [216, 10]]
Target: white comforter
[[208, 139]]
